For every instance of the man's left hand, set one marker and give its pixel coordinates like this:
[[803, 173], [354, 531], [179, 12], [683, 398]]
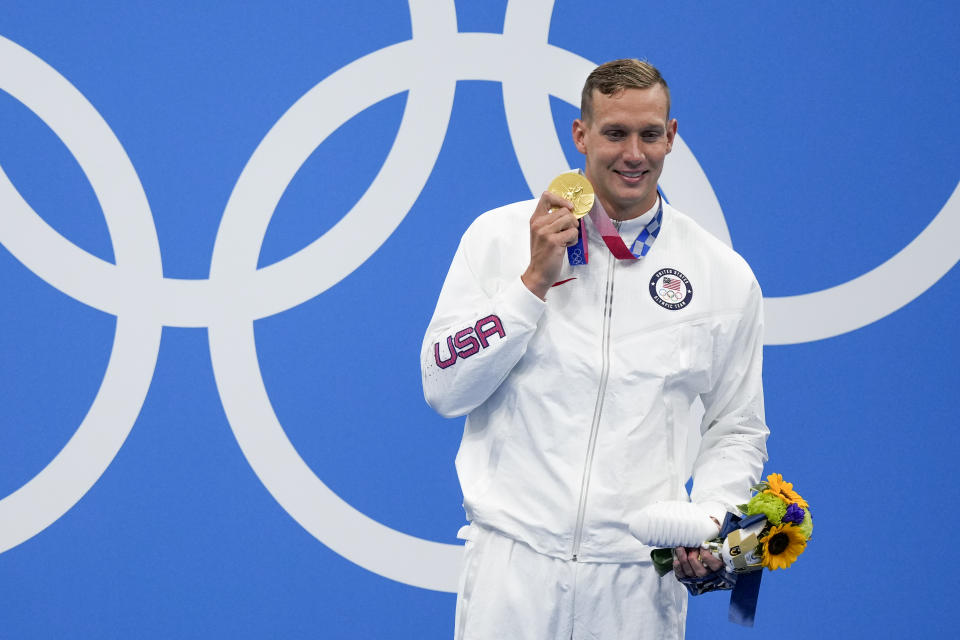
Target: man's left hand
[[693, 562]]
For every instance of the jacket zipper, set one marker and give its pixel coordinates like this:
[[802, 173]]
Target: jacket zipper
[[598, 408]]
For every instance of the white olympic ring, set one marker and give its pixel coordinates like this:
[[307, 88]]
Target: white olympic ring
[[237, 293], [81, 462]]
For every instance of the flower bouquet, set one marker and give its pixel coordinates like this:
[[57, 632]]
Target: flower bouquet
[[771, 531], [780, 537]]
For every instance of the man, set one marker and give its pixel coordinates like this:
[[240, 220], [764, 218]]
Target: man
[[576, 378]]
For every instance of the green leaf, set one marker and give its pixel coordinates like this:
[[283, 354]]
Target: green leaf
[[662, 561]]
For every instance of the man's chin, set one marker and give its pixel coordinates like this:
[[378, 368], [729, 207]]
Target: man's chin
[[630, 201]]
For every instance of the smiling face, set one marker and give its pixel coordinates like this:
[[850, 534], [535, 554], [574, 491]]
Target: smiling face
[[626, 138]]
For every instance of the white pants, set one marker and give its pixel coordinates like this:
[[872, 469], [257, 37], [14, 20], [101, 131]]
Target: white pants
[[509, 591]]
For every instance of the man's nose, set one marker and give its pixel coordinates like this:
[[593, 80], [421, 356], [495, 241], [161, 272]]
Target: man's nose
[[633, 152]]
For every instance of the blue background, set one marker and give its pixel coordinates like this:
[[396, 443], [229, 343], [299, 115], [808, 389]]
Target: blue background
[[828, 134]]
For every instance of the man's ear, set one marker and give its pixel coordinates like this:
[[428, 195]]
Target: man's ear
[[579, 131], [671, 134]]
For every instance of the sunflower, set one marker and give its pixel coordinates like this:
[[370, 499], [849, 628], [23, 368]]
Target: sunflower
[[781, 546], [784, 490]]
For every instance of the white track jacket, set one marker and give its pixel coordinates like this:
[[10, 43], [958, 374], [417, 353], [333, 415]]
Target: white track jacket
[[576, 406]]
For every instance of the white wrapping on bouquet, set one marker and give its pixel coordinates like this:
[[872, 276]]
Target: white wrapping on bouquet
[[674, 524]]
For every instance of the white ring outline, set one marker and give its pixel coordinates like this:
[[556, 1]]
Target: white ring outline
[[874, 295], [79, 464], [271, 455]]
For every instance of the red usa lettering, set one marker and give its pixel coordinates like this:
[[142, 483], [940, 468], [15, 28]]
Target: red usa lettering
[[469, 341]]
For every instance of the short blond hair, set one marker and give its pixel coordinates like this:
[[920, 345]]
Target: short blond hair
[[617, 75]]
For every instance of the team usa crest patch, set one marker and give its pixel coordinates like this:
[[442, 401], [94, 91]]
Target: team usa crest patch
[[670, 289]]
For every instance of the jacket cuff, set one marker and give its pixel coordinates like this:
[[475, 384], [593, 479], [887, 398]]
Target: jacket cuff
[[523, 302], [716, 510]]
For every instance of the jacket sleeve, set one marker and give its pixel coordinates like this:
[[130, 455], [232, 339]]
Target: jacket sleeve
[[733, 448], [480, 328]]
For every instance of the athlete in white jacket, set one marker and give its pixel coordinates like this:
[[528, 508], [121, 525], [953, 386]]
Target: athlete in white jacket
[[577, 381]]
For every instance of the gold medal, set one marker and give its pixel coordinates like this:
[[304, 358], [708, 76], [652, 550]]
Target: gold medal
[[575, 188]]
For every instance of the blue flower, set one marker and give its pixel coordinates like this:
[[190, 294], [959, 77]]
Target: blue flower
[[794, 514]]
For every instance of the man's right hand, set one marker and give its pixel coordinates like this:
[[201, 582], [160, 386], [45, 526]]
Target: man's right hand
[[553, 228]]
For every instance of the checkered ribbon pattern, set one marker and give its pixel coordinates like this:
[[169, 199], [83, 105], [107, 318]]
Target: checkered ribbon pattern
[[577, 254]]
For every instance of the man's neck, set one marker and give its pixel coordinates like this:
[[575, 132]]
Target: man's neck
[[633, 212]]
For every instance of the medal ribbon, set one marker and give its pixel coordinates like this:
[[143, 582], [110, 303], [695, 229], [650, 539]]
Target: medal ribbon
[[577, 254], [743, 598]]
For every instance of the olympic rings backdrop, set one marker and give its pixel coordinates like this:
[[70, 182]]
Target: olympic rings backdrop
[[224, 227]]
